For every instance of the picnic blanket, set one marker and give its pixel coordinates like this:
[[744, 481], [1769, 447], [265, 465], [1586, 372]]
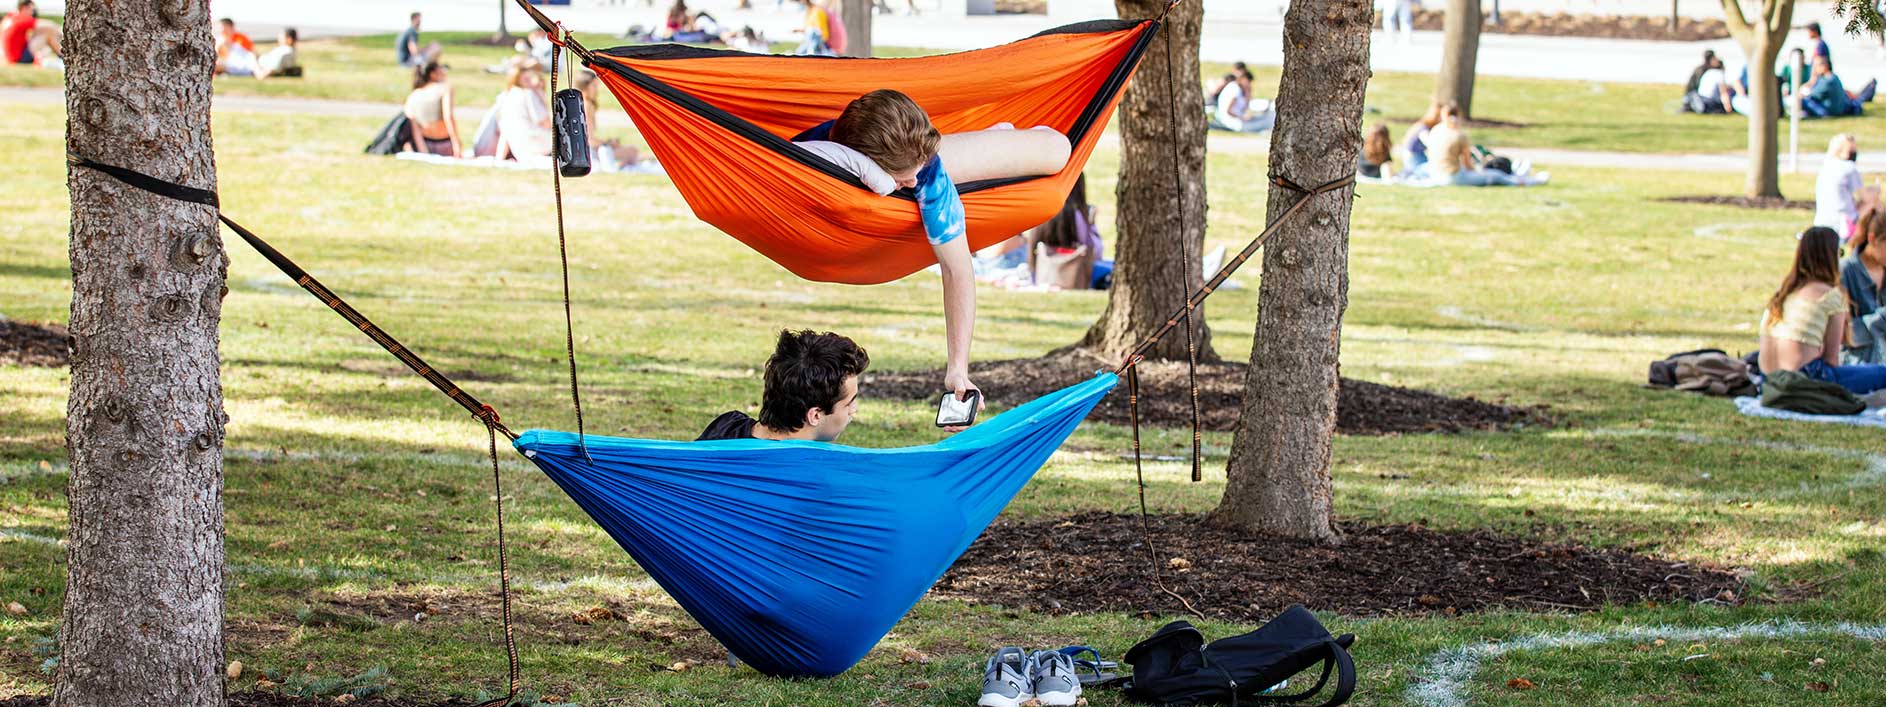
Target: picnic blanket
[[1752, 406]]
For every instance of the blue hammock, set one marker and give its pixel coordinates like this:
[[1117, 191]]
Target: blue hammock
[[799, 556]]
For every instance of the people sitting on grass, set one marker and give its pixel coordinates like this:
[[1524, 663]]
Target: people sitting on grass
[[1805, 322], [1451, 159], [817, 29], [1816, 46], [429, 109], [1414, 143], [284, 59], [810, 391], [1238, 112], [235, 52], [1837, 190], [1068, 253], [1373, 161], [1863, 278], [26, 39], [1823, 96], [748, 40], [523, 116], [407, 49], [1218, 87], [1706, 92]]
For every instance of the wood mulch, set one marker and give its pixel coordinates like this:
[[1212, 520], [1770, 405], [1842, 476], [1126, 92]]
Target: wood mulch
[[266, 699], [28, 344], [1362, 408], [1098, 561], [1742, 202]]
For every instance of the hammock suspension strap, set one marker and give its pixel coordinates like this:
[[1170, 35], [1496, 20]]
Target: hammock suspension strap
[[563, 250], [485, 413]]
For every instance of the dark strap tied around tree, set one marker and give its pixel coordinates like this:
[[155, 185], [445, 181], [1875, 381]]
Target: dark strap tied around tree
[[563, 251], [1185, 244], [485, 414]]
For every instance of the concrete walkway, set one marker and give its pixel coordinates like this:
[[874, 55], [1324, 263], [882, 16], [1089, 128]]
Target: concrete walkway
[[1253, 35], [1217, 142]]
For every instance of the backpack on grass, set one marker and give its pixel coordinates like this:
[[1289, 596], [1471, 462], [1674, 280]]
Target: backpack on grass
[[1177, 667]]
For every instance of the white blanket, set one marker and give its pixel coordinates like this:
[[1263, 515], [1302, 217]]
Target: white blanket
[[1752, 406]]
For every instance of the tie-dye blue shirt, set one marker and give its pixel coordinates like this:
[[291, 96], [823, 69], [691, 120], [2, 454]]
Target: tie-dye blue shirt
[[940, 205]]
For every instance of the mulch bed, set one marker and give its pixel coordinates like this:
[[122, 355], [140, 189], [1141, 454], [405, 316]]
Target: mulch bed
[[1568, 25], [1165, 400], [25, 344], [1097, 561], [1742, 202]]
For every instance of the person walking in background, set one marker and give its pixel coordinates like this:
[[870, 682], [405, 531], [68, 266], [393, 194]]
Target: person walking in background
[[409, 51], [1398, 15]]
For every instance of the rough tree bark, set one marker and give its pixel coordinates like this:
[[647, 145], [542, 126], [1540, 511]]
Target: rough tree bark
[[1761, 40], [143, 615], [1151, 276], [1279, 469], [857, 17], [1459, 55]]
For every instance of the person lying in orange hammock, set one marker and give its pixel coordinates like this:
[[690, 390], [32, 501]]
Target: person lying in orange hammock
[[888, 141]]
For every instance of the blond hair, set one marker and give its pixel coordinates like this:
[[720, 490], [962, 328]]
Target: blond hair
[[1839, 145], [889, 128], [516, 74]]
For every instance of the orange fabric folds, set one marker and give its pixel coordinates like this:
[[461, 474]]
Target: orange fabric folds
[[721, 123]]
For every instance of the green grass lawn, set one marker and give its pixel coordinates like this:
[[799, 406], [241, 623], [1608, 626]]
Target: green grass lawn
[[352, 485]]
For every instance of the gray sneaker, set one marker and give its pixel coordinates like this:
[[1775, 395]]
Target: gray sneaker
[[1005, 682], [1053, 679]]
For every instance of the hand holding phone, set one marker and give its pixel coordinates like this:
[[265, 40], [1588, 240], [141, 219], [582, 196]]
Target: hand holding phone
[[951, 412]]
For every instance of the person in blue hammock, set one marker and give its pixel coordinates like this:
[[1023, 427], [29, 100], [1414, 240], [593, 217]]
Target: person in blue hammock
[[888, 141], [811, 391]]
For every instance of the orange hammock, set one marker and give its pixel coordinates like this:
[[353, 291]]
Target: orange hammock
[[721, 123]]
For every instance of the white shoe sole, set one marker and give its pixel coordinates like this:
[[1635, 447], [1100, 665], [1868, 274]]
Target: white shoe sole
[[1059, 699], [1000, 701]]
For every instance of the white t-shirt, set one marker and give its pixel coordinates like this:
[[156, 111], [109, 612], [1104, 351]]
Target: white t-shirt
[[1232, 103], [853, 161], [1710, 84], [1833, 194]]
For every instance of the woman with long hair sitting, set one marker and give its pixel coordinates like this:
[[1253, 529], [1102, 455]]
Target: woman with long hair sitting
[[1863, 277], [1068, 251], [1806, 320], [429, 109]]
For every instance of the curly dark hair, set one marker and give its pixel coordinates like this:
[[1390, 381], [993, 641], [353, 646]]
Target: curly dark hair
[[808, 369]]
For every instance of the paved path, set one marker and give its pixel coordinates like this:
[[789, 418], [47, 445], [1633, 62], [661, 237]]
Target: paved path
[[1218, 142], [1252, 35]]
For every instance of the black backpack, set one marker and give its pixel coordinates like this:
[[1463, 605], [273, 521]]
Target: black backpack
[[1176, 667]]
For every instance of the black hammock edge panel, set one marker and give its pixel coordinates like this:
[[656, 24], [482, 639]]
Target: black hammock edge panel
[[1090, 114]]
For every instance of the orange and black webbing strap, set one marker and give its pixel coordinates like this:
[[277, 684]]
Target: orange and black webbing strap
[[563, 251], [504, 571]]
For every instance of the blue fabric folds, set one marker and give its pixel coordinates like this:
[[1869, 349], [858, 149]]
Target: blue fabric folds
[[799, 556]]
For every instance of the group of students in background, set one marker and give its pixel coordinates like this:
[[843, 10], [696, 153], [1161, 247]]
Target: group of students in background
[[1826, 321], [1231, 106], [1436, 151], [236, 54], [1710, 90]]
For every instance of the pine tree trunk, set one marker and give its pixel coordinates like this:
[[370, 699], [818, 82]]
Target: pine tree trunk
[[1459, 55], [857, 16], [1279, 469], [1156, 259], [143, 617]]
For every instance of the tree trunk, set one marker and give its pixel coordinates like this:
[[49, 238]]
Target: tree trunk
[[143, 617], [857, 17], [1279, 469], [1458, 55], [1156, 258], [1764, 179], [504, 26]]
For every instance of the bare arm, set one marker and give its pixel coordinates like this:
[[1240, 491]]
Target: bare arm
[[959, 312], [1835, 335], [451, 120]]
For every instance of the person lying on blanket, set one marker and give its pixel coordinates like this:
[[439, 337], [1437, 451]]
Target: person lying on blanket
[[888, 141]]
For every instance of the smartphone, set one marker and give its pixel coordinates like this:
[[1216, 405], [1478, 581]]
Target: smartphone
[[958, 413]]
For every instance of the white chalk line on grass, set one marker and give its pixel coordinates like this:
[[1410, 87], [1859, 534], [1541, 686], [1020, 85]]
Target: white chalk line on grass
[[1873, 472], [1446, 679]]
